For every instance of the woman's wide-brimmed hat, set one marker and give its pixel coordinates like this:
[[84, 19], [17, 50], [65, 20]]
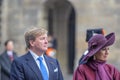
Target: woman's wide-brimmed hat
[[96, 43]]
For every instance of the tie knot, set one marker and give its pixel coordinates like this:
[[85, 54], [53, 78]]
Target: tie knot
[[40, 58]]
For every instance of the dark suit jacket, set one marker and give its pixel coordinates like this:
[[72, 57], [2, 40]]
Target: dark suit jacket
[[5, 65], [25, 68]]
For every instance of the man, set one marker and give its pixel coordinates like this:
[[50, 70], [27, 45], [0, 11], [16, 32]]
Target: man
[[6, 59], [35, 65]]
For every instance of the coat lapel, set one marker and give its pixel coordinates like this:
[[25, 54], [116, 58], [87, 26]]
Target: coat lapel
[[32, 64], [6, 61], [14, 55], [51, 67]]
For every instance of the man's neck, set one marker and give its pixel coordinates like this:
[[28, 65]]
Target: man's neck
[[37, 52]]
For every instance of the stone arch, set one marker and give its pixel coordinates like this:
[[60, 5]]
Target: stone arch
[[61, 24]]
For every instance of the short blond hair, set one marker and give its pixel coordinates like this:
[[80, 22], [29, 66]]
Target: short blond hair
[[32, 33]]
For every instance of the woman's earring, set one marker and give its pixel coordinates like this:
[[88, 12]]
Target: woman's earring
[[94, 58]]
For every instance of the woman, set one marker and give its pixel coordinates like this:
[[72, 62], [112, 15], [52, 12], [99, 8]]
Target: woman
[[94, 65]]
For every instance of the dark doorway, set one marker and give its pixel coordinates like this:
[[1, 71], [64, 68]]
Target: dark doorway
[[50, 21], [64, 19], [71, 41]]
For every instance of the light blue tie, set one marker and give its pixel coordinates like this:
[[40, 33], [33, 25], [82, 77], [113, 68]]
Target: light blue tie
[[43, 69]]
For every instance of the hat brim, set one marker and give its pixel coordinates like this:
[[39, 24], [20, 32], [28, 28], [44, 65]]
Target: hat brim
[[110, 40]]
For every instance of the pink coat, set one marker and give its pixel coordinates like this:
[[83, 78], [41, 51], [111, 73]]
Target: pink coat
[[83, 72]]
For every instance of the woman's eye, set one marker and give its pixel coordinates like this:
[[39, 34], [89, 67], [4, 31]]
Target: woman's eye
[[105, 49]]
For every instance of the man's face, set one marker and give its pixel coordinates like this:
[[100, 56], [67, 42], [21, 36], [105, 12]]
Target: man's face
[[40, 43], [10, 46]]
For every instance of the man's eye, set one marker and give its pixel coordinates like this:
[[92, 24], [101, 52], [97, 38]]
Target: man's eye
[[42, 38]]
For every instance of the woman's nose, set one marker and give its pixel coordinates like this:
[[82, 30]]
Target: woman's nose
[[107, 51]]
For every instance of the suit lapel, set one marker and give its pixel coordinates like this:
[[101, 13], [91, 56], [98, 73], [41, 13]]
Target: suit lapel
[[50, 66], [14, 55], [7, 59], [32, 64], [6, 62]]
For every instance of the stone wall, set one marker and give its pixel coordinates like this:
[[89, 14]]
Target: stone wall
[[18, 16]]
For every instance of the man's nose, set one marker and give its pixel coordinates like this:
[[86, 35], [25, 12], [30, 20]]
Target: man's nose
[[46, 41]]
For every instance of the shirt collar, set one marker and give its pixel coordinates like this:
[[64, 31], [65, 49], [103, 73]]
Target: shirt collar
[[35, 56], [10, 53]]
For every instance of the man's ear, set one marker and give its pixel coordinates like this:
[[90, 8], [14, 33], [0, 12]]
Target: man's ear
[[31, 42]]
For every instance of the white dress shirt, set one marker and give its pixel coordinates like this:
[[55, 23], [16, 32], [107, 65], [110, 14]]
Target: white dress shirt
[[35, 56], [10, 53]]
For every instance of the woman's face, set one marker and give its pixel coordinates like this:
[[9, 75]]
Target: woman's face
[[102, 54]]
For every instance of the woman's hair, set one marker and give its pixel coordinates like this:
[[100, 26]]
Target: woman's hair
[[32, 33], [91, 58]]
